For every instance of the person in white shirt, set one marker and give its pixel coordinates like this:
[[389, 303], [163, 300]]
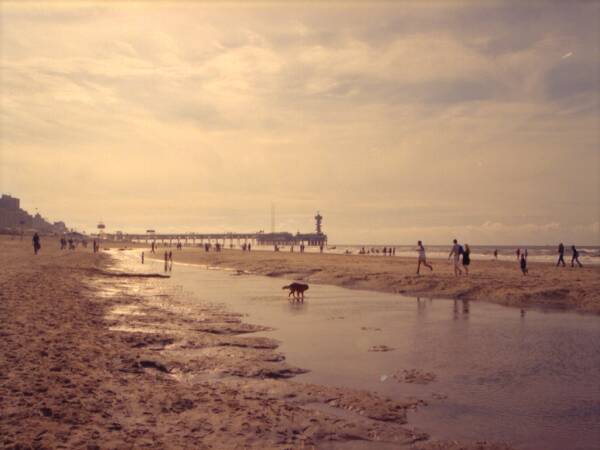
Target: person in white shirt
[[456, 252], [422, 258]]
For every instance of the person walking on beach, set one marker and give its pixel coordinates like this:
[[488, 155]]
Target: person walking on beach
[[518, 252], [466, 258], [496, 254], [422, 258], [456, 252], [166, 261], [523, 264], [561, 255], [575, 257], [36, 243]]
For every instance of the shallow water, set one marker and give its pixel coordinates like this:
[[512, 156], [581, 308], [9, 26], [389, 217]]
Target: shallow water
[[529, 378]]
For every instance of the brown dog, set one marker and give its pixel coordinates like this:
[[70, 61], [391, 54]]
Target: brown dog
[[297, 289]]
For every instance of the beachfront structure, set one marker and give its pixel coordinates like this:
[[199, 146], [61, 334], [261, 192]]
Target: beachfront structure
[[15, 220], [226, 239], [231, 239]]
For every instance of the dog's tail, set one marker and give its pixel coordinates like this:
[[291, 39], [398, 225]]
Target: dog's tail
[[286, 287]]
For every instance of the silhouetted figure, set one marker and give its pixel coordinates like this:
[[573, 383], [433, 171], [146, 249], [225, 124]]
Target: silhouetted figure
[[561, 255], [384, 251], [142, 257], [518, 252], [36, 243], [71, 246], [170, 261], [321, 248], [166, 260], [466, 258], [422, 257], [523, 264], [394, 251], [496, 254], [575, 257], [152, 248], [456, 251], [249, 247]]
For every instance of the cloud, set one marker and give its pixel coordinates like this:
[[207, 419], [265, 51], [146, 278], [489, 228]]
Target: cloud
[[202, 114]]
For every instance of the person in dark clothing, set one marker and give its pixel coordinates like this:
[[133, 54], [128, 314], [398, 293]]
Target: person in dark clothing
[[524, 264], [561, 255], [466, 258], [575, 257], [36, 243]]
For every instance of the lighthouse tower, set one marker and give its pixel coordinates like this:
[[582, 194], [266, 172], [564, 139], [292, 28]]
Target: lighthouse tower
[[318, 220]]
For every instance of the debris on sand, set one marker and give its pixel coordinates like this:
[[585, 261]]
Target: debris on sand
[[380, 348], [414, 376]]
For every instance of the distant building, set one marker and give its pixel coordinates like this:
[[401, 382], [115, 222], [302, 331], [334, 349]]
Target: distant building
[[60, 227], [9, 203], [14, 219], [284, 238]]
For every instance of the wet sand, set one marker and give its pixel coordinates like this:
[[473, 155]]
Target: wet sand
[[496, 281], [94, 360]]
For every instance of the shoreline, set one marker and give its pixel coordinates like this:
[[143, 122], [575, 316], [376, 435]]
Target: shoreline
[[546, 286], [96, 361]]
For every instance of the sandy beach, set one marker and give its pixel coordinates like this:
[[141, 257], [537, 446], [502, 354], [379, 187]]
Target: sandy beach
[[495, 281], [97, 359]]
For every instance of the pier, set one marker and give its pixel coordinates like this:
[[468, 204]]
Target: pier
[[233, 239], [260, 238]]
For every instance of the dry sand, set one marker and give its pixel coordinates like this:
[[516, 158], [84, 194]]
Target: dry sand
[[495, 281], [92, 360]]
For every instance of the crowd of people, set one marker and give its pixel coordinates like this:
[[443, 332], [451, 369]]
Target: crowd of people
[[461, 258], [459, 254]]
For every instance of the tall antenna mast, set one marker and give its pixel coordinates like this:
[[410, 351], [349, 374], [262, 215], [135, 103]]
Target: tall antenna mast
[[272, 217]]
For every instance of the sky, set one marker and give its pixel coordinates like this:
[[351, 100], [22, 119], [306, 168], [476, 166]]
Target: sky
[[397, 121]]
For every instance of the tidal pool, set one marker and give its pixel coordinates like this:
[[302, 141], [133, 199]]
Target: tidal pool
[[530, 378]]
